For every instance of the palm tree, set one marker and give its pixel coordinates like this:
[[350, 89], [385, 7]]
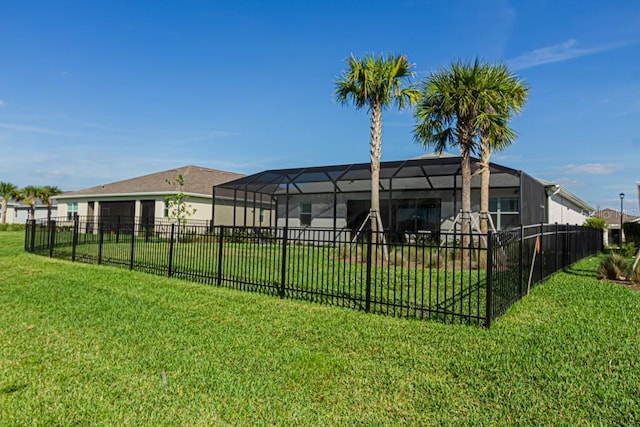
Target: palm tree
[[46, 194], [7, 192], [376, 82], [514, 94], [457, 103], [30, 195]]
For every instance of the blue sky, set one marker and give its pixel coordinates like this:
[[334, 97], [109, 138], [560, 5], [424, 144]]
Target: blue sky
[[94, 92]]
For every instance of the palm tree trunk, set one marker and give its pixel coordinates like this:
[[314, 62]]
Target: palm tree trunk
[[5, 206], [466, 203], [376, 150], [33, 210], [484, 186]]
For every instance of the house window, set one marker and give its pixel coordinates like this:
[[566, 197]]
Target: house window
[[261, 216], [305, 214], [72, 210], [165, 210], [505, 212]]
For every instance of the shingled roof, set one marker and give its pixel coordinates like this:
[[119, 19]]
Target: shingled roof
[[197, 180]]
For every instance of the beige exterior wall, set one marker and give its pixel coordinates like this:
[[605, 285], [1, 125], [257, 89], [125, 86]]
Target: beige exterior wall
[[224, 216], [202, 206]]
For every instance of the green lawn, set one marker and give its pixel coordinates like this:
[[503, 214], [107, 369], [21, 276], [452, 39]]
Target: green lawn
[[91, 345]]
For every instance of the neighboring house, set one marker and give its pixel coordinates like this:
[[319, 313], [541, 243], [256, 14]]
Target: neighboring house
[[19, 213], [420, 194], [611, 219], [563, 206], [145, 197]]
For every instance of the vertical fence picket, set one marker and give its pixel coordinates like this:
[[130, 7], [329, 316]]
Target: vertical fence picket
[[74, 238], [133, 244], [100, 239], [489, 303], [52, 237], [283, 264], [220, 255], [521, 261], [33, 235], [368, 275], [171, 239]]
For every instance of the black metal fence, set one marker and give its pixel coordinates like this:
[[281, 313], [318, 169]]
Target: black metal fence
[[452, 277]]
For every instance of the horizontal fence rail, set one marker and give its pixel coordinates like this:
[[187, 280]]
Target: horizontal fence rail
[[450, 277]]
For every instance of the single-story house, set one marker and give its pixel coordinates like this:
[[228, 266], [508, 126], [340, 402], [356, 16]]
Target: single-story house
[[19, 212], [611, 219], [419, 194], [146, 197]]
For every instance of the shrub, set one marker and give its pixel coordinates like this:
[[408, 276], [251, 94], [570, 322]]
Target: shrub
[[629, 249], [613, 267], [632, 232], [418, 256], [11, 227], [595, 223]]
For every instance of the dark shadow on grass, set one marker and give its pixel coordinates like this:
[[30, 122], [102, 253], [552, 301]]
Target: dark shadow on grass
[[582, 272], [12, 388]]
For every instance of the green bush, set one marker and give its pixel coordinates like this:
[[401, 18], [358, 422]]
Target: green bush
[[613, 267], [629, 249], [632, 232], [11, 227], [595, 223]]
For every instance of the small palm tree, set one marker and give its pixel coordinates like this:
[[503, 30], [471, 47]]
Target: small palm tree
[[30, 195], [8, 191], [375, 83], [457, 103], [46, 194]]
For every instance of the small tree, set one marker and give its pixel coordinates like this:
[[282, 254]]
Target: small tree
[[598, 223], [176, 203], [29, 196], [46, 194]]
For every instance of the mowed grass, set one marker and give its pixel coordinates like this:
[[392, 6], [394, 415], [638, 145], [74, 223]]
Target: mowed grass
[[91, 345]]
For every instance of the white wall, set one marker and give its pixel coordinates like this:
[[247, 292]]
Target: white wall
[[563, 211]]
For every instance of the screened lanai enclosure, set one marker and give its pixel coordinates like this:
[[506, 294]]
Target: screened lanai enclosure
[[417, 196]]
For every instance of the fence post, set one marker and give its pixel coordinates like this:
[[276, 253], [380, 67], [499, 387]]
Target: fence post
[[27, 228], [521, 262], [567, 247], [133, 242], [100, 239], [33, 235], [368, 279], [74, 238], [118, 230], [52, 237], [283, 267], [489, 303], [170, 266], [555, 248], [220, 249], [541, 252]]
